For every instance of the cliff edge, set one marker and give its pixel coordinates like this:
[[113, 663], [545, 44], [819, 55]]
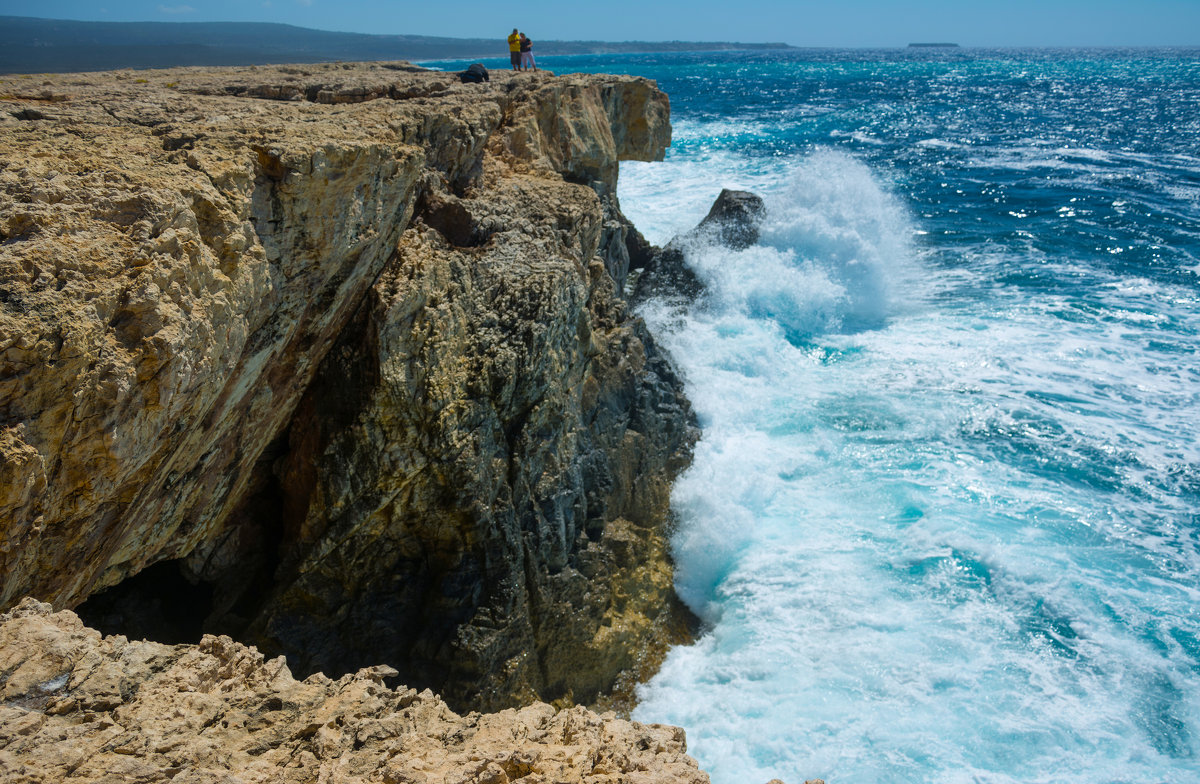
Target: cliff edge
[[335, 360]]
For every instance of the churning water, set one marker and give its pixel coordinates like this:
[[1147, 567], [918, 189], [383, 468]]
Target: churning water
[[943, 524]]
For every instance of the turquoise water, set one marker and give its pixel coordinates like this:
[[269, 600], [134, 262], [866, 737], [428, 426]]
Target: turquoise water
[[944, 521]]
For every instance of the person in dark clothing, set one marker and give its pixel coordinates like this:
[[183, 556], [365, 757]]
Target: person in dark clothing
[[476, 72], [527, 60]]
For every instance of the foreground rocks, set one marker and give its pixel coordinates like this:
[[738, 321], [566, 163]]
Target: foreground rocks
[[76, 706], [339, 353]]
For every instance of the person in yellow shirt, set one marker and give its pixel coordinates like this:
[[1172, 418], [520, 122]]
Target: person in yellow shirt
[[514, 50]]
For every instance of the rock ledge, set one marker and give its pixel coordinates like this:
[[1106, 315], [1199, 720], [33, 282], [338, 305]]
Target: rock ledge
[[77, 705]]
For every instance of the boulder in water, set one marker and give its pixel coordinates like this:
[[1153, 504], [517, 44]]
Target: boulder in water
[[732, 221]]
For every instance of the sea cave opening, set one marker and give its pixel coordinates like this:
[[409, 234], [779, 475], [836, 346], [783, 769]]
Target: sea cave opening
[[158, 603]]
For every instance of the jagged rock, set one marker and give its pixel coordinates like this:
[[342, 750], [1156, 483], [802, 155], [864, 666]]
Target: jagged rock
[[667, 276], [77, 705], [338, 343], [732, 221]]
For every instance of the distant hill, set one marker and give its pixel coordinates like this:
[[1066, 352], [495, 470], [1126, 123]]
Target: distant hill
[[31, 45]]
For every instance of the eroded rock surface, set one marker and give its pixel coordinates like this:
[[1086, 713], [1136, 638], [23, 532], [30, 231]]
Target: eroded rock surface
[[78, 706], [341, 344]]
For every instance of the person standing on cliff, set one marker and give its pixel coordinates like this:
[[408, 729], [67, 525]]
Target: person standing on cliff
[[514, 49], [527, 60]]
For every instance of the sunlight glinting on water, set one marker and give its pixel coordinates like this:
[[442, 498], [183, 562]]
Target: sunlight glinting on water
[[941, 525]]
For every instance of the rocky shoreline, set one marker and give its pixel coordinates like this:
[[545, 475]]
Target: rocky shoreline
[[336, 360], [332, 370]]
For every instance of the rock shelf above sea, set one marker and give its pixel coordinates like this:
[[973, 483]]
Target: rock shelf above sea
[[335, 360]]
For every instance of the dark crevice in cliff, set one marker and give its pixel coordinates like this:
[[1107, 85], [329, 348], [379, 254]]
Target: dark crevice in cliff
[[245, 569], [447, 214], [158, 603], [218, 589], [408, 618]]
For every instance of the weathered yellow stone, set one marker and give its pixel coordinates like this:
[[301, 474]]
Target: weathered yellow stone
[[347, 341], [222, 712]]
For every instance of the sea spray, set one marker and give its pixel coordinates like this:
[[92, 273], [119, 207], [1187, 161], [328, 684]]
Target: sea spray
[[942, 522], [875, 579], [825, 263], [939, 524], [834, 243]]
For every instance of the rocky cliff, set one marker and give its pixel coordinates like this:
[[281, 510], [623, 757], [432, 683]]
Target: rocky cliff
[[335, 360]]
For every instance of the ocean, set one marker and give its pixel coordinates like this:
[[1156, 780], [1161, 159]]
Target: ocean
[[943, 524]]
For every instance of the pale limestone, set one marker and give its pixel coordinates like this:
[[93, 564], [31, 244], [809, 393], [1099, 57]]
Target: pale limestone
[[105, 709]]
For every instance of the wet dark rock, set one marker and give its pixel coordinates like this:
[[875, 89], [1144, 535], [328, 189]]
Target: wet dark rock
[[733, 221]]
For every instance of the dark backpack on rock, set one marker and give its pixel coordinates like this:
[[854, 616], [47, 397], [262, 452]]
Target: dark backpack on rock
[[475, 73]]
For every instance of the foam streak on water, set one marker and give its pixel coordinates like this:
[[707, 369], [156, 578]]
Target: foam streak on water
[[942, 524]]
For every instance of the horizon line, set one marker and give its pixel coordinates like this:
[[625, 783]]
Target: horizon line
[[774, 44]]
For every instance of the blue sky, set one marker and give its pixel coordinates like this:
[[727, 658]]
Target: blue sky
[[797, 22]]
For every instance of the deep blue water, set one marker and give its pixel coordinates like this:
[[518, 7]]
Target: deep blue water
[[944, 521]]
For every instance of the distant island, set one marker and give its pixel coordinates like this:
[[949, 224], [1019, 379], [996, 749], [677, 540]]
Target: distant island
[[932, 45], [32, 45]]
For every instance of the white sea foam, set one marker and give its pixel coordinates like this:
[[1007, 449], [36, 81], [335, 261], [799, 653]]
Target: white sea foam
[[912, 523], [856, 136], [940, 144]]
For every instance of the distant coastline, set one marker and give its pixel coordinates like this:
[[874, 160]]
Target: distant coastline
[[933, 45], [34, 45]]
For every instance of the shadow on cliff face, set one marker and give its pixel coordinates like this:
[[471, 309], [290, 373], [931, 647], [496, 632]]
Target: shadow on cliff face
[[215, 590], [448, 215], [224, 585]]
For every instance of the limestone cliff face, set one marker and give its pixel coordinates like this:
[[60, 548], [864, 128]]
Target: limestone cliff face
[[76, 706], [345, 345]]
